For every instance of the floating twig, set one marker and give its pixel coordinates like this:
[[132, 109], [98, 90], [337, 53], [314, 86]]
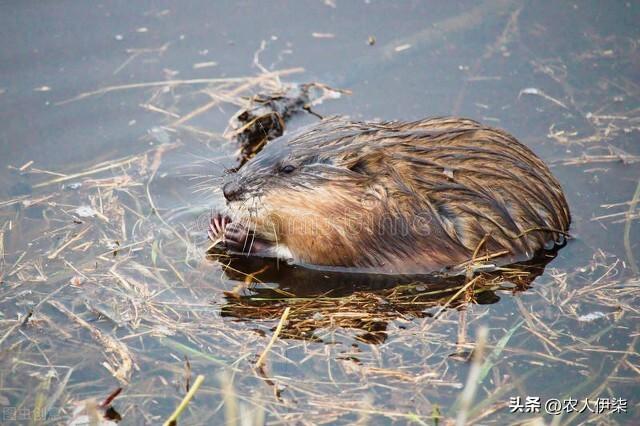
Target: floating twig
[[285, 314]]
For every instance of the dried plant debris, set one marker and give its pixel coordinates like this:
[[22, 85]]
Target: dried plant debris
[[265, 116]]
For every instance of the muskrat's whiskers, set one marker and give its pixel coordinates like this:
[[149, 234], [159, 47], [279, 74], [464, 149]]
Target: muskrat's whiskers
[[252, 222], [275, 235], [253, 237], [202, 163], [205, 183], [202, 159], [206, 178], [214, 189], [241, 216], [249, 226], [199, 190]]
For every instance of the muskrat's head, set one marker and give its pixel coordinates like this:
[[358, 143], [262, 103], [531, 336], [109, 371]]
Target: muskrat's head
[[307, 182]]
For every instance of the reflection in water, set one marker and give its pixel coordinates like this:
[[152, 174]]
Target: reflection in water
[[368, 302]]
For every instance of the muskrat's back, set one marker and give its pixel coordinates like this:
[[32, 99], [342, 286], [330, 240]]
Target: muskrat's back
[[397, 197]]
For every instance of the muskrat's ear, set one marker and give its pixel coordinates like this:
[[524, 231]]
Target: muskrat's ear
[[359, 166], [366, 164]]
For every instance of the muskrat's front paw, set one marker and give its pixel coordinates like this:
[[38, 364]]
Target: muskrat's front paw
[[232, 235], [235, 236], [239, 239], [217, 226]]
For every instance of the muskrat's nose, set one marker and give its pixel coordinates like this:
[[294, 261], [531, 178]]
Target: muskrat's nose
[[231, 191]]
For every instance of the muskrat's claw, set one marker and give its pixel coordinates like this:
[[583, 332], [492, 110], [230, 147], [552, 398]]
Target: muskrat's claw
[[236, 236], [217, 227], [233, 235]]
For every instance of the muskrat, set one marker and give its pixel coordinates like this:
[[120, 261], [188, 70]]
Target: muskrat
[[393, 197]]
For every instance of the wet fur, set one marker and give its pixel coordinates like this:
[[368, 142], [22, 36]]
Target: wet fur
[[472, 187]]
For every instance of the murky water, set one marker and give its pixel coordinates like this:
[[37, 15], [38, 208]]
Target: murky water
[[111, 116]]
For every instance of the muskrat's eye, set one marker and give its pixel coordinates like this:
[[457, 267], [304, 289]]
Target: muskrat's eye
[[287, 169]]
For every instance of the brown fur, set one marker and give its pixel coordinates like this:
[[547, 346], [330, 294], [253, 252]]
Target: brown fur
[[473, 188]]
